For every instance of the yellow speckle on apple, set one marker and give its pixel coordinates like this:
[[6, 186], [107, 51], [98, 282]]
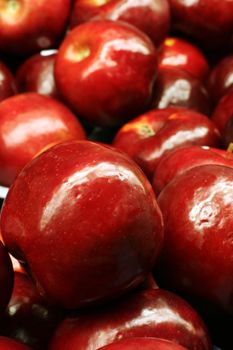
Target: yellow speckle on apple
[[78, 53]]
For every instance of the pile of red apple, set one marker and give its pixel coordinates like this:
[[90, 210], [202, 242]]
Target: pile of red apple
[[116, 174]]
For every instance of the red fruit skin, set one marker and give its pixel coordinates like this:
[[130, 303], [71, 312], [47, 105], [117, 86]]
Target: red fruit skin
[[221, 79], [10, 344], [153, 313], [198, 249], [223, 111], [175, 87], [36, 74], [6, 277], [150, 16], [151, 136], [143, 343], [210, 22], [99, 62], [30, 123], [183, 159], [7, 82], [30, 26], [96, 220], [179, 53], [28, 318]]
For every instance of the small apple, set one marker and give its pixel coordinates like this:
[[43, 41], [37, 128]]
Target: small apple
[[143, 343], [7, 82]]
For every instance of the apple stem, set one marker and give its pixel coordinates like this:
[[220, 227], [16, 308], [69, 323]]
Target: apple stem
[[229, 149]]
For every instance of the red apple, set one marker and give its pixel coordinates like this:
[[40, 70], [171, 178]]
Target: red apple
[[179, 53], [143, 343], [152, 313], [6, 277], [197, 256], [223, 111], [86, 223], [210, 23], [28, 26], [149, 137], [97, 71], [29, 123], [10, 344], [7, 82], [150, 16], [176, 87], [185, 158], [221, 79], [36, 74]]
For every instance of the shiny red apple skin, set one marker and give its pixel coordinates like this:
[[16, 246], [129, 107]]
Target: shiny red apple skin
[[175, 87], [221, 79], [197, 256], [209, 22], [7, 82], [151, 313], [94, 218], [185, 158], [97, 67], [150, 16], [151, 136], [28, 318], [29, 123], [179, 53], [143, 343], [6, 277], [10, 344], [30, 26], [36, 74], [223, 111]]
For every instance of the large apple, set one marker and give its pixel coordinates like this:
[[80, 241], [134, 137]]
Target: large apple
[[28, 26], [150, 16], [197, 256], [29, 123], [106, 70], [6, 277], [144, 343], [152, 313], [85, 221], [7, 82]]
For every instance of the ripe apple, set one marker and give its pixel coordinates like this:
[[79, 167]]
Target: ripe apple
[[6, 277], [150, 16], [29, 123], [36, 74], [97, 71], [10, 344], [143, 343], [223, 111], [179, 53], [7, 82], [185, 158], [197, 256], [152, 313], [176, 87], [210, 23], [29, 26], [85, 221], [149, 137]]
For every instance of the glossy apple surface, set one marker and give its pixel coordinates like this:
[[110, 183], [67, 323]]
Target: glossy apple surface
[[29, 123], [150, 16], [10, 344], [94, 218], [223, 111], [152, 313], [28, 318], [197, 256], [6, 277], [179, 53], [36, 74], [97, 71], [175, 87], [7, 82], [185, 158], [143, 343], [29, 26], [209, 22], [221, 79], [149, 137]]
